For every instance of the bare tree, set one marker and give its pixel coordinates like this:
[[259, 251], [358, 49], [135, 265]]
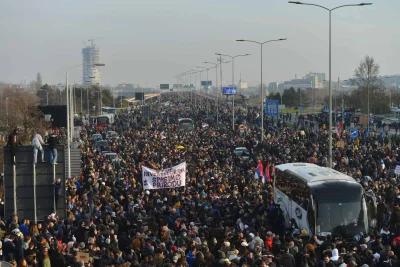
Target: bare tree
[[366, 80], [23, 113]]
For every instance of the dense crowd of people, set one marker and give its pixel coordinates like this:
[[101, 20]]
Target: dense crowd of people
[[225, 215]]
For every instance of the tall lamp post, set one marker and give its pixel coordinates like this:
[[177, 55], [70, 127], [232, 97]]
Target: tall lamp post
[[262, 91], [207, 74], [233, 83], [330, 65], [216, 84], [7, 109], [70, 117]]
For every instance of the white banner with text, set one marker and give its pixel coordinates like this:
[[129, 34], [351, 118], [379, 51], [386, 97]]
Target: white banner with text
[[166, 178]]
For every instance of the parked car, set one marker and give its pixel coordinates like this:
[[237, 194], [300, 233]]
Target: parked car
[[242, 152], [111, 134], [97, 137]]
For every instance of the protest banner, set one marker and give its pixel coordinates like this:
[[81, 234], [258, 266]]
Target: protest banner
[[166, 178], [82, 256]]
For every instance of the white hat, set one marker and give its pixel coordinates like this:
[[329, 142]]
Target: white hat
[[227, 244], [147, 192], [175, 259], [244, 244], [70, 244], [252, 235], [113, 214], [16, 231]]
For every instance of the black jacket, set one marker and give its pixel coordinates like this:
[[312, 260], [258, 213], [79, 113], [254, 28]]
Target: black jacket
[[9, 250], [53, 141], [395, 217], [287, 260]]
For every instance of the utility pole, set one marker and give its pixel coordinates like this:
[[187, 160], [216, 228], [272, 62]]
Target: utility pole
[[87, 103], [220, 72]]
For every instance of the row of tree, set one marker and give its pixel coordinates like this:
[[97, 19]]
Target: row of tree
[[292, 97], [19, 108], [368, 90], [84, 98]]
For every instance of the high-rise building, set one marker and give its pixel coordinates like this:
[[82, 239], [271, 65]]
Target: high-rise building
[[90, 57]]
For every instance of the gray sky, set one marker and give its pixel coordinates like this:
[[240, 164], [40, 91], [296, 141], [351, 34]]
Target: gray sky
[[150, 41]]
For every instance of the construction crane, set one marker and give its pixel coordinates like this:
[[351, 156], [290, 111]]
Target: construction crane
[[92, 40]]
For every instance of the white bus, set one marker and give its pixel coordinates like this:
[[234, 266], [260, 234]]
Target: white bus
[[321, 200], [186, 124]]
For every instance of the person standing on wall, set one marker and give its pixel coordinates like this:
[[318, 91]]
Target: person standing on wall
[[53, 142], [12, 142], [37, 144]]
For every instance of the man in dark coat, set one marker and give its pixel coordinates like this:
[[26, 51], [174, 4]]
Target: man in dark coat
[[9, 248], [12, 142], [58, 188], [287, 259]]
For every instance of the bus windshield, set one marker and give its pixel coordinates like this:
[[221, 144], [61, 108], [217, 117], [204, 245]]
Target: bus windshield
[[108, 110], [340, 214], [102, 120], [186, 124]]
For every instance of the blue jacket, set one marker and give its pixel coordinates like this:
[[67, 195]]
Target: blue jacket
[[190, 258]]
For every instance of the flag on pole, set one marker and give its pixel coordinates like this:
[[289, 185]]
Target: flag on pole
[[259, 169], [267, 175], [340, 127]]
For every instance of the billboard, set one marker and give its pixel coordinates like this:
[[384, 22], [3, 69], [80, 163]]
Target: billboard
[[229, 90], [58, 114], [206, 83], [164, 86], [177, 85], [139, 96]]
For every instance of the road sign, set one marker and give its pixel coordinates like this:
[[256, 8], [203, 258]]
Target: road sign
[[353, 133], [301, 108], [164, 86], [325, 109], [272, 108]]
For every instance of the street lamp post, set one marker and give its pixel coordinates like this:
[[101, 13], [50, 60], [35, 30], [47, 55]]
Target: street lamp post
[[330, 66], [200, 74], [233, 84], [262, 91], [7, 109], [70, 117], [216, 84]]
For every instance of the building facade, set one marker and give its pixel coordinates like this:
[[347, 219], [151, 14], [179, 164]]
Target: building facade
[[90, 57]]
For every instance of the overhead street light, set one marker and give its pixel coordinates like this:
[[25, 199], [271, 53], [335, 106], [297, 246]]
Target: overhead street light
[[70, 117], [262, 91], [330, 65], [233, 83], [216, 83]]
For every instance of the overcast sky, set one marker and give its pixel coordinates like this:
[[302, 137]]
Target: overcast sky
[[151, 41]]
